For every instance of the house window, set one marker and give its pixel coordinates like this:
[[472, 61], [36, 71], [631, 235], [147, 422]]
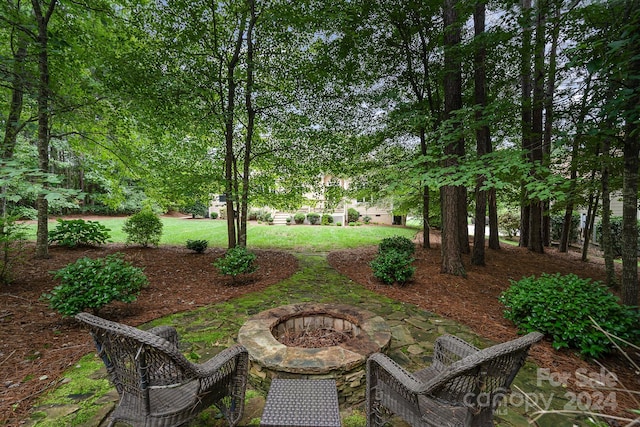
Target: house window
[[222, 198]]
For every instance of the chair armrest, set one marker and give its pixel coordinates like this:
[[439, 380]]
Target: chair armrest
[[169, 333], [401, 378], [449, 349], [212, 365]]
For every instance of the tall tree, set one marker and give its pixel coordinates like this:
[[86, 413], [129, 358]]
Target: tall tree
[[483, 141], [450, 194], [43, 12]]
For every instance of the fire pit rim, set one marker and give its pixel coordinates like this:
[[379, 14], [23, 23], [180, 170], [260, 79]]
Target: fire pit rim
[[256, 335]]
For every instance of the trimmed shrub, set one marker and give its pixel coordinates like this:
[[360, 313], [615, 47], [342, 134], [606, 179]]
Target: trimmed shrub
[[326, 219], [366, 219], [393, 266], [314, 218], [213, 215], [144, 228], [397, 243], [561, 307], [93, 283], [352, 215], [78, 232], [198, 246], [299, 218], [236, 261]]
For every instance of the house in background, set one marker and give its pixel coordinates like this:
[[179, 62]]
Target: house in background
[[320, 203]]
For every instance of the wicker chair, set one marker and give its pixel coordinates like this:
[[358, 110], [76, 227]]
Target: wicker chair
[[157, 385], [462, 387]]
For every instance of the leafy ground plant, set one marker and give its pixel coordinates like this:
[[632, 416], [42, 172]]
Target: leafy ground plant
[[236, 261], [78, 232], [198, 246], [94, 283], [562, 307]]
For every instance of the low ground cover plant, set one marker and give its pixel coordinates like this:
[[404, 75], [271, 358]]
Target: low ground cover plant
[[144, 228], [198, 246], [236, 261], [565, 307], [93, 283], [78, 232]]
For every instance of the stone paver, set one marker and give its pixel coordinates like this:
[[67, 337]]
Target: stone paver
[[413, 333]]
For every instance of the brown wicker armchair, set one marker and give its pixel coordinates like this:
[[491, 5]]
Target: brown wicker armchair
[[157, 385], [462, 387]]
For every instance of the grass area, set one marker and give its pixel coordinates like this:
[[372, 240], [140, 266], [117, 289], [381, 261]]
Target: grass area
[[177, 231]]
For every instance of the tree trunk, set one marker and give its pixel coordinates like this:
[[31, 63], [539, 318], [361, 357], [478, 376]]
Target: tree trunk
[[13, 124], [588, 229], [482, 133], [629, 289], [573, 174], [426, 239], [42, 20], [525, 72], [607, 241], [536, 237], [630, 217], [494, 238], [231, 194], [451, 257], [251, 115]]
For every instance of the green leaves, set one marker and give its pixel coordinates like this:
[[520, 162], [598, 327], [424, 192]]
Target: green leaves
[[144, 228], [562, 307], [77, 232], [236, 261], [93, 283], [393, 262]]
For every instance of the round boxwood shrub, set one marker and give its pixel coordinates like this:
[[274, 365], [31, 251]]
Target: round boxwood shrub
[[352, 215], [93, 283], [393, 266], [299, 218], [236, 261], [562, 308], [144, 228], [314, 218], [326, 219], [397, 243]]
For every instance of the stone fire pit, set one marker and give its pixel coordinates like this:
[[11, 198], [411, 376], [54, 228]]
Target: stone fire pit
[[363, 332]]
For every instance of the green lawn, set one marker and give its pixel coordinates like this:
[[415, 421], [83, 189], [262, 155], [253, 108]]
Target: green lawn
[[315, 238]]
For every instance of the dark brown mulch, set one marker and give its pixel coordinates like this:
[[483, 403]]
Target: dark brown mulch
[[37, 344]]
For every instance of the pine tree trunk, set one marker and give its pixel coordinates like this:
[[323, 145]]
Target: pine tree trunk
[[482, 133], [451, 257], [525, 74]]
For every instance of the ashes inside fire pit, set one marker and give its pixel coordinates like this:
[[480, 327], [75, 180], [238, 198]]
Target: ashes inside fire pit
[[314, 341]]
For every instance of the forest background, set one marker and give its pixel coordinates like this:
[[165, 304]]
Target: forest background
[[522, 107]]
